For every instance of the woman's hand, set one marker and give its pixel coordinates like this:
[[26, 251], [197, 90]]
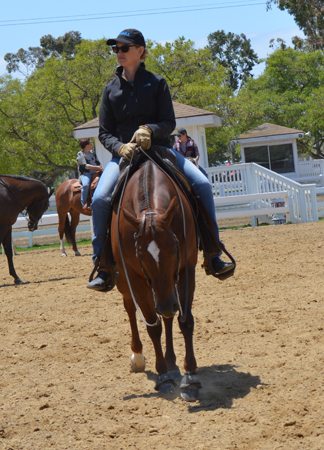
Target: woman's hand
[[126, 150], [142, 137]]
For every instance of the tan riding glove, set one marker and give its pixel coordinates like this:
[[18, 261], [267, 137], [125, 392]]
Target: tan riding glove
[[142, 137], [126, 150]]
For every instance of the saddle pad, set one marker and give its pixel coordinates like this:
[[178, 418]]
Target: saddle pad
[[76, 187]]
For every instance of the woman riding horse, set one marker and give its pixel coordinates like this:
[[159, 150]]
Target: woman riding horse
[[136, 110]]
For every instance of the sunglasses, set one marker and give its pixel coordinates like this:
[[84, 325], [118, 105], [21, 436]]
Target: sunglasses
[[124, 48]]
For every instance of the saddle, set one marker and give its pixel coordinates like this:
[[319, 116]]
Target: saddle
[[77, 186], [166, 160]]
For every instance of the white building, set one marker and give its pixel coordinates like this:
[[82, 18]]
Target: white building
[[194, 120], [271, 146]]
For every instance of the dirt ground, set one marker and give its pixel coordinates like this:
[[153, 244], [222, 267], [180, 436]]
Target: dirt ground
[[65, 379]]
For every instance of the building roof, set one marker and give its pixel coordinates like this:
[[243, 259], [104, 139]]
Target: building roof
[[181, 111], [267, 130]]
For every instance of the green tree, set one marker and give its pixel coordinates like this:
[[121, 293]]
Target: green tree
[[37, 116], [26, 61], [290, 92], [194, 79], [234, 52], [309, 16]]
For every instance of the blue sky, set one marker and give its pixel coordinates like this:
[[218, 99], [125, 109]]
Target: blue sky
[[23, 23]]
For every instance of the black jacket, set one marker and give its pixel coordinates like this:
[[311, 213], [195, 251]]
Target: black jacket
[[125, 106]]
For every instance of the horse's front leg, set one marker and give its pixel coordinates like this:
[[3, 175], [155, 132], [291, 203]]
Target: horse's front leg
[[137, 359], [190, 383], [7, 245], [165, 381], [170, 356]]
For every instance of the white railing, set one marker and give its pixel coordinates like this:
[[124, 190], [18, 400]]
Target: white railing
[[47, 219], [253, 183], [312, 168], [250, 178]]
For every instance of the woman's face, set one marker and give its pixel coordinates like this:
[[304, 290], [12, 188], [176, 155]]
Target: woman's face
[[130, 59]]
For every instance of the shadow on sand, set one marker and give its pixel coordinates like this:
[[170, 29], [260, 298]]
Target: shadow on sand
[[220, 386]]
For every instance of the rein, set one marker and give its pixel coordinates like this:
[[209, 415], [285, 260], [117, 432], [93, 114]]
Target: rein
[[182, 315], [139, 234], [158, 320]]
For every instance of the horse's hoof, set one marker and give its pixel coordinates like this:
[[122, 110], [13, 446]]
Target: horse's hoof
[[64, 255], [175, 374], [163, 383], [77, 253], [189, 387], [137, 362], [18, 281], [190, 394], [167, 388]]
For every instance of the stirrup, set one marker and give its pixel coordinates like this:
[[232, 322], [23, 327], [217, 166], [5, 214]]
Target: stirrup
[[209, 270]]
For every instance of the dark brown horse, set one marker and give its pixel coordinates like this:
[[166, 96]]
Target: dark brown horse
[[17, 194], [68, 200], [155, 248]]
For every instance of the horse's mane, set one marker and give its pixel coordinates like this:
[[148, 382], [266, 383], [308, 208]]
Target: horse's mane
[[145, 181], [22, 178]]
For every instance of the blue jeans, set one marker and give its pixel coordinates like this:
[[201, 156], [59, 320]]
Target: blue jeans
[[101, 201], [86, 181]]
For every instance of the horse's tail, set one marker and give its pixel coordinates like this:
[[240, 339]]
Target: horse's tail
[[68, 230]]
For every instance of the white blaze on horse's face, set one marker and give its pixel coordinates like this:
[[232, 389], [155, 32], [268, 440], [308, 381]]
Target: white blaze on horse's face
[[154, 250]]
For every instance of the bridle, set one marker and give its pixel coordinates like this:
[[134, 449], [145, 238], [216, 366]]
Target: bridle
[[148, 280], [25, 211]]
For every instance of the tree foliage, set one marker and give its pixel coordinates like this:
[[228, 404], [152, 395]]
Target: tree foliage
[[26, 61], [234, 52], [290, 93], [37, 116], [309, 16], [194, 79]]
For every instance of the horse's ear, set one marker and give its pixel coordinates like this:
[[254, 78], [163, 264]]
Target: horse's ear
[[134, 221], [51, 192], [169, 213], [196, 159]]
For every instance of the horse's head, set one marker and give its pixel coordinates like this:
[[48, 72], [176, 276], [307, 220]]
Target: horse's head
[[157, 249], [36, 209], [194, 160]]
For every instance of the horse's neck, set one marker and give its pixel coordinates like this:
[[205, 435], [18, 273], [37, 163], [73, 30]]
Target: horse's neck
[[150, 196], [28, 191]]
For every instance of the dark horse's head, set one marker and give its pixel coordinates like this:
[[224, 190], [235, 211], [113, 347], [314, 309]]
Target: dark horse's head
[[157, 249], [36, 209]]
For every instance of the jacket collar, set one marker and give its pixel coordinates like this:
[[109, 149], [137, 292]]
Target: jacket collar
[[140, 70]]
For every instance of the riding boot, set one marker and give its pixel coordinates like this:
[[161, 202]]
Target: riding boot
[[106, 279], [212, 247]]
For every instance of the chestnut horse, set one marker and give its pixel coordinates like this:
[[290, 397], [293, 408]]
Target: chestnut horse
[[154, 244], [17, 194], [68, 200]]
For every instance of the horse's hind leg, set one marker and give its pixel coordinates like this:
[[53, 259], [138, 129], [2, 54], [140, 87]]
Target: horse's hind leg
[[137, 359], [62, 217], [7, 245], [75, 218]]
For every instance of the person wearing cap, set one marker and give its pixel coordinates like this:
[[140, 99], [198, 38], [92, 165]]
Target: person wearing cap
[[187, 147], [88, 164], [136, 110]]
